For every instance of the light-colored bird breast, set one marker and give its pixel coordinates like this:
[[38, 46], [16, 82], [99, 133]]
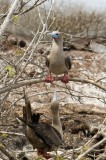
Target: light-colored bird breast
[[57, 63]]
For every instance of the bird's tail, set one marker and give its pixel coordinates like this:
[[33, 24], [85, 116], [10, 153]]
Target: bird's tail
[[27, 113]]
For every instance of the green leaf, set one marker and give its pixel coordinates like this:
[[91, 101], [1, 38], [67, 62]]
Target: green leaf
[[59, 158], [15, 18], [19, 52], [11, 71], [4, 135], [8, 68], [1, 145]]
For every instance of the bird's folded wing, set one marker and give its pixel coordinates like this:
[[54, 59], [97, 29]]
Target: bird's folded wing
[[68, 62], [47, 133], [47, 61]]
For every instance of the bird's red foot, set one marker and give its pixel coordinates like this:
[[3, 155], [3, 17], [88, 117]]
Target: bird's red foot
[[44, 154], [47, 156], [49, 79], [64, 79]]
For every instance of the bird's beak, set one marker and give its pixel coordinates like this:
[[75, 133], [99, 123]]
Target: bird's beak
[[55, 96], [50, 34], [53, 35]]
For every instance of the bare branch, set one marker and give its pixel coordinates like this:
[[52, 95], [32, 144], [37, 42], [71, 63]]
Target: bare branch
[[12, 133], [7, 19], [2, 149], [90, 149], [35, 81]]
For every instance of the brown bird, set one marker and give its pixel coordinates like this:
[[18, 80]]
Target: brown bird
[[41, 135], [57, 62]]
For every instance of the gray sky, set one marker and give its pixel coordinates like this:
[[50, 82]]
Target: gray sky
[[90, 4]]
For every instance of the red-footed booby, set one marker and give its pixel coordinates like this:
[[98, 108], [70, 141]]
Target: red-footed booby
[[41, 135], [57, 62], [56, 122]]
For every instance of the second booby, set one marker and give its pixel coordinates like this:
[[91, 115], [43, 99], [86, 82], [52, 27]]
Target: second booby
[[42, 136]]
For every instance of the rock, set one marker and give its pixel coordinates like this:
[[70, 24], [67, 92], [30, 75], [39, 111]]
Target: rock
[[97, 48], [69, 47], [2, 65], [12, 39], [103, 63], [30, 70], [41, 51]]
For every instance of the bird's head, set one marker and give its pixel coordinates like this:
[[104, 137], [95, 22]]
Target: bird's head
[[55, 34], [55, 103]]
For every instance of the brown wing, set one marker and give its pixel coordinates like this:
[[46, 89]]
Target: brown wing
[[35, 117], [47, 133], [68, 62], [47, 61], [24, 113]]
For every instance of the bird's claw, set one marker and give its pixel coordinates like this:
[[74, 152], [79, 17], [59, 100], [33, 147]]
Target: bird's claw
[[44, 154], [49, 79], [64, 79]]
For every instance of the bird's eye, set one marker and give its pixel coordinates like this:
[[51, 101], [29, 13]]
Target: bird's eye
[[57, 34]]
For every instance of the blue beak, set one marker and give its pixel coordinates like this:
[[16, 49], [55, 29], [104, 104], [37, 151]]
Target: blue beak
[[54, 35]]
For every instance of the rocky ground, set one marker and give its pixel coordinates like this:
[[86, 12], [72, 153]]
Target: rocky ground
[[82, 105]]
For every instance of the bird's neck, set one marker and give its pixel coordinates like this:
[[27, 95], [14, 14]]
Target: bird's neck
[[56, 123], [57, 46]]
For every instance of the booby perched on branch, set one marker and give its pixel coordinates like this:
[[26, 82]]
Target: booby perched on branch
[[57, 62], [41, 135]]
